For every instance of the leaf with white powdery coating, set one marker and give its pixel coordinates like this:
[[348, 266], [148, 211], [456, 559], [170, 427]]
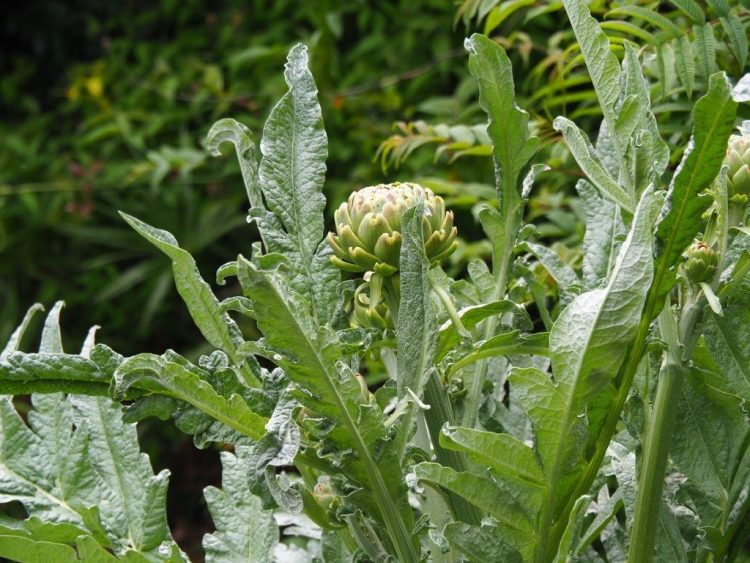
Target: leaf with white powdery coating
[[292, 171], [244, 531], [588, 342], [417, 336], [164, 377]]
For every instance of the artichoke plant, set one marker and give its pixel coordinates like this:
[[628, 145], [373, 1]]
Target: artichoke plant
[[368, 228]]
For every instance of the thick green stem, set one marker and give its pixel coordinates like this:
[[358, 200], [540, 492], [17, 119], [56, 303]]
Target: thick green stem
[[680, 341], [436, 416], [656, 455], [501, 266]]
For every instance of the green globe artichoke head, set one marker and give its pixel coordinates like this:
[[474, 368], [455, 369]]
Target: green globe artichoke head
[[700, 263], [368, 228], [738, 160]]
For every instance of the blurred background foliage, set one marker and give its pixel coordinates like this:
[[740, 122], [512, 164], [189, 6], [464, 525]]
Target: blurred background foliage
[[103, 107]]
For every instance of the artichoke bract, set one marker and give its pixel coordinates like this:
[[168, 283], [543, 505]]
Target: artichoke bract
[[368, 228], [738, 160]]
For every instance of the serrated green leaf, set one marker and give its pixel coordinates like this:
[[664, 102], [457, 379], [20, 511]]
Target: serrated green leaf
[[481, 543], [292, 170], [727, 337], [307, 354], [602, 64], [496, 498], [23, 373], [217, 327], [647, 156], [508, 127], [680, 218], [502, 452], [591, 165], [244, 531], [588, 342], [158, 374], [133, 499], [511, 343], [75, 470], [471, 316]]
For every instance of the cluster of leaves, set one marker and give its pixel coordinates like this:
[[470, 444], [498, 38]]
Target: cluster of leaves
[[521, 418]]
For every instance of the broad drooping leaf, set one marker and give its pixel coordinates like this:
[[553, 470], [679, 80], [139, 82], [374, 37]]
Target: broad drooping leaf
[[710, 446], [215, 395], [244, 531]]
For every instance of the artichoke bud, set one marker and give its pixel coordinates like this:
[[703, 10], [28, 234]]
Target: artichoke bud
[[324, 494], [738, 161], [700, 263], [368, 228], [370, 309]]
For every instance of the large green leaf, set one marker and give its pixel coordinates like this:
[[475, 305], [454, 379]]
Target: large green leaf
[[508, 127], [292, 170], [79, 464], [244, 531], [309, 356], [588, 342], [681, 220], [165, 376]]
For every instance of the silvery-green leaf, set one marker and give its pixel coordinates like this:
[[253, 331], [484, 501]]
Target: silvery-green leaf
[[244, 531]]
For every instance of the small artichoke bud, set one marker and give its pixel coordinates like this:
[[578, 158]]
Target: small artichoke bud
[[370, 309], [700, 263], [738, 161], [368, 228], [323, 493]]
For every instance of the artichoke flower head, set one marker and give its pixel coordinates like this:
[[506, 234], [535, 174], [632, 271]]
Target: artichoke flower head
[[368, 228]]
